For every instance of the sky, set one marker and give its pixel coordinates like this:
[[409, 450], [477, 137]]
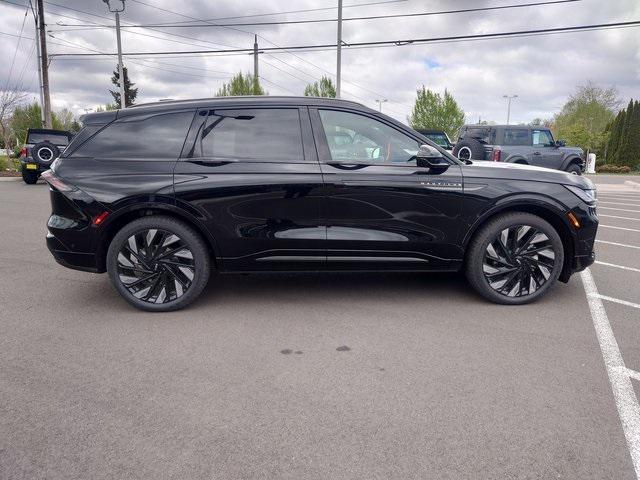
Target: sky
[[542, 71]]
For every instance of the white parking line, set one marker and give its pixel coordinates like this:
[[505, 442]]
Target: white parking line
[[620, 203], [621, 228], [633, 374], [617, 300], [618, 244], [623, 393], [616, 216], [617, 266], [619, 209]]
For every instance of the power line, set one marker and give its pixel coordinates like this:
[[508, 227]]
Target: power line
[[398, 43], [325, 20], [13, 60]]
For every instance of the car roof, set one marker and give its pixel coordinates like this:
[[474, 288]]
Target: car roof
[[237, 101], [48, 130], [515, 127]]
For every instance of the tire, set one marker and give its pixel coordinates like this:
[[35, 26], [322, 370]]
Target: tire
[[469, 149], [486, 266], [151, 283], [45, 152], [30, 178], [574, 169]]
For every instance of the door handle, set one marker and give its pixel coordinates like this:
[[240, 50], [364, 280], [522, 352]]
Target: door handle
[[537, 153]]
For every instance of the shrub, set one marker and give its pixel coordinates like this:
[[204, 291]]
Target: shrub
[[609, 168]]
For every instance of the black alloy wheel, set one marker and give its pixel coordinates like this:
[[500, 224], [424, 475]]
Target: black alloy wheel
[[518, 261], [158, 263], [515, 258]]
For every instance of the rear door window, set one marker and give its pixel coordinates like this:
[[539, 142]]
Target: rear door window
[[269, 134], [517, 137], [155, 136]]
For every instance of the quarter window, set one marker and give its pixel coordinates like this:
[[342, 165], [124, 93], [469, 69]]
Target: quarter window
[[353, 137], [516, 137], [158, 136], [252, 134], [542, 138]]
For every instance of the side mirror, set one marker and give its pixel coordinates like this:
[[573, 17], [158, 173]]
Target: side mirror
[[561, 143], [431, 157]]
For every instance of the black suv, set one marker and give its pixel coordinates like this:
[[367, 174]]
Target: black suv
[[526, 145], [160, 195]]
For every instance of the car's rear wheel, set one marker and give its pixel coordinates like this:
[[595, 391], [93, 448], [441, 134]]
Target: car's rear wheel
[[30, 178], [158, 264], [514, 259]]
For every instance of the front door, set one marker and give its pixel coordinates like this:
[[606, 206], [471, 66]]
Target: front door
[[252, 176], [381, 210], [550, 155]]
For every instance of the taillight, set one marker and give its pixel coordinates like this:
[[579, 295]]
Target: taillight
[[496, 156], [24, 152], [57, 183]]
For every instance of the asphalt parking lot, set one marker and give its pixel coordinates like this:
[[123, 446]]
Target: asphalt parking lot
[[318, 376]]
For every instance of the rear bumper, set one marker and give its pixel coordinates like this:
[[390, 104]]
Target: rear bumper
[[85, 262], [40, 166]]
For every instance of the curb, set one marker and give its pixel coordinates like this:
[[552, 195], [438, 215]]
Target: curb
[[9, 179]]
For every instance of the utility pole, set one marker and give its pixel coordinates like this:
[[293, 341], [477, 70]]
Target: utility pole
[[509, 98], [37, 35], [123, 99], [380, 102], [44, 66], [339, 59], [255, 65]]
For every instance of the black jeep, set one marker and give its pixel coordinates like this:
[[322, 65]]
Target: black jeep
[[42, 147]]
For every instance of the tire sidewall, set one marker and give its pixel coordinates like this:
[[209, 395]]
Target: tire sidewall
[[475, 258], [182, 230]]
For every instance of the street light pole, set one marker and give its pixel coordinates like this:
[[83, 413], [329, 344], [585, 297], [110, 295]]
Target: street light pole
[[509, 98], [339, 52], [123, 100], [380, 102]]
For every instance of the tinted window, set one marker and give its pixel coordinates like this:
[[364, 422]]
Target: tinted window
[[55, 138], [82, 135], [256, 134], [516, 136], [158, 136], [482, 134], [542, 137], [439, 138], [353, 137]]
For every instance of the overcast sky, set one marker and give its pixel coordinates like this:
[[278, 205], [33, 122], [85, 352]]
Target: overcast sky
[[542, 71]]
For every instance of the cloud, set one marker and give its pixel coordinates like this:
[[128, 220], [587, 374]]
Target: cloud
[[542, 71]]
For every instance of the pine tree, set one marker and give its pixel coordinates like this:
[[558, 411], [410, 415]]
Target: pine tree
[[323, 89], [130, 93], [241, 84], [614, 138], [624, 152]]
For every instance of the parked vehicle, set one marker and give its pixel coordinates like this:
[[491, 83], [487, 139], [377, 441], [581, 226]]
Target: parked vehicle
[[518, 144], [41, 147], [160, 195], [439, 137]]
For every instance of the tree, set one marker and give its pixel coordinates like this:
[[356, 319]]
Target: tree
[[324, 88], [591, 107], [9, 101], [66, 119], [624, 142], [241, 84], [435, 111], [28, 116], [130, 93]]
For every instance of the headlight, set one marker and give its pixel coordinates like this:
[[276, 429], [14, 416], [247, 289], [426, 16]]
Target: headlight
[[588, 196]]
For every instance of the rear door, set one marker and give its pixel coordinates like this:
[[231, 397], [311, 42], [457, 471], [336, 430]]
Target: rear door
[[252, 175], [381, 210]]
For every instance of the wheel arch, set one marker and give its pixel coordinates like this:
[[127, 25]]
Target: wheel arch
[[546, 211], [117, 220], [570, 160]]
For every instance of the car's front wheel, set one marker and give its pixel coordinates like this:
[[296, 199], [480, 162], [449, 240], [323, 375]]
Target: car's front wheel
[[515, 258], [158, 263]]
